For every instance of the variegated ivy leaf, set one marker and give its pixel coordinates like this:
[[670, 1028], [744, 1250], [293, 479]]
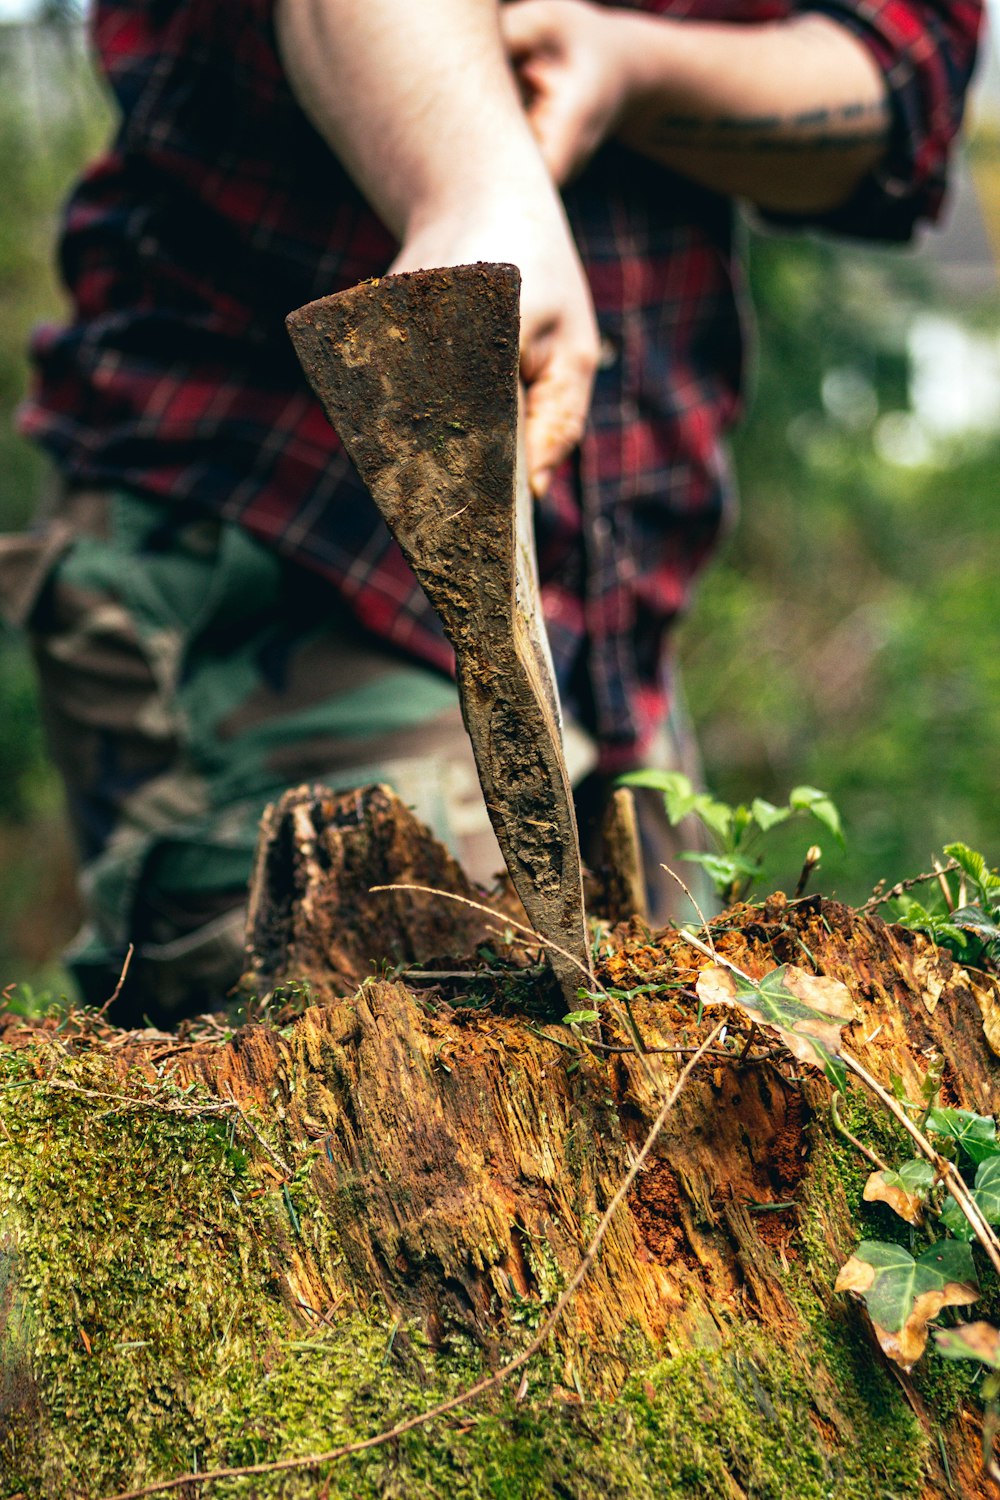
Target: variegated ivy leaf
[[808, 1012], [905, 1191], [976, 1134], [978, 1341], [902, 1295], [987, 1197]]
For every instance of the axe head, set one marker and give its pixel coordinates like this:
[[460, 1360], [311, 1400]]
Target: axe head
[[418, 374]]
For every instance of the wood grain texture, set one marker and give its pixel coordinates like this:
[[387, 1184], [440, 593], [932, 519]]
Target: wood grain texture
[[449, 1161]]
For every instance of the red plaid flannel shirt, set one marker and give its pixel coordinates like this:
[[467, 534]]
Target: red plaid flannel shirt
[[218, 208]]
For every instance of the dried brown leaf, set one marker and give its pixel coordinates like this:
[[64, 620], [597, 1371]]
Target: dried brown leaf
[[905, 1347]]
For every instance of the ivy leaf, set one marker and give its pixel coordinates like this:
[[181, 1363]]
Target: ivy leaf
[[986, 1194], [808, 1012], [978, 1341], [905, 1191], [976, 1134], [987, 1189], [973, 919], [902, 1295], [981, 1342], [810, 799], [580, 1017], [766, 815]]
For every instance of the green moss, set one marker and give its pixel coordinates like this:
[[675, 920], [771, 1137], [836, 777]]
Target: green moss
[[138, 1254], [144, 1254]]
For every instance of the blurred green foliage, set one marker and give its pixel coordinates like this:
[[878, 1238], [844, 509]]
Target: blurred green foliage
[[52, 115], [849, 637]]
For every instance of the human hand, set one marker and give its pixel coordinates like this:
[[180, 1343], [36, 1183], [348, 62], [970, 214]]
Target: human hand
[[571, 61], [525, 226]]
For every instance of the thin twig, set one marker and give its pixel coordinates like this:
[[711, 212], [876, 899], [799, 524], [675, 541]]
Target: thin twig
[[710, 951], [949, 899], [283, 1165], [409, 974], [879, 898], [811, 862], [751, 1037], [119, 986], [716, 1056], [203, 1108], [489, 1382], [946, 1170], [842, 1129]]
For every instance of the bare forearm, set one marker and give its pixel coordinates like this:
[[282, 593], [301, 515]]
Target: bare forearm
[[416, 100], [788, 114]]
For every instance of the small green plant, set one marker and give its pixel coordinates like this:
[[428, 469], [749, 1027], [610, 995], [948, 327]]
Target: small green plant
[[734, 865], [970, 929], [25, 1001], [904, 1293]]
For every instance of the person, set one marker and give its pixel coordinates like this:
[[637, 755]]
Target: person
[[215, 608]]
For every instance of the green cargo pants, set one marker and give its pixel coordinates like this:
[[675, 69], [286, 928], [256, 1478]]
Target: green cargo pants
[[188, 675]]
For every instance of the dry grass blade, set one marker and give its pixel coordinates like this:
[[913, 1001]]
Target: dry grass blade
[[624, 1017], [690, 895], [499, 916], [489, 1382]]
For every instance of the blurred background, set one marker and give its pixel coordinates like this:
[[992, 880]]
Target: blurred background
[[850, 635]]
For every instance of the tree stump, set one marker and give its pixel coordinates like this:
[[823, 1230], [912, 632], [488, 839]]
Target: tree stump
[[225, 1249]]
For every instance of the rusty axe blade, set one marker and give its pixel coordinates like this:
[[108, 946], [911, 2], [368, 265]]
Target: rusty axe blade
[[418, 374]]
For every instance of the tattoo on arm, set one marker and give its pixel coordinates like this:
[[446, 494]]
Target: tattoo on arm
[[845, 128]]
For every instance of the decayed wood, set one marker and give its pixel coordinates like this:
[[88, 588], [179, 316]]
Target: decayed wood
[[624, 888], [461, 1165], [313, 919], [419, 375], [502, 1151]]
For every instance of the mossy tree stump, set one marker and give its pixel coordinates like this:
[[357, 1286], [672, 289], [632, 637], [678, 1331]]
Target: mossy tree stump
[[224, 1249]]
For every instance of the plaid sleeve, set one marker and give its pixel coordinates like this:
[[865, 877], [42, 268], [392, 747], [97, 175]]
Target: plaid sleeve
[[926, 50]]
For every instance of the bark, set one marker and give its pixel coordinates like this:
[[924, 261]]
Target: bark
[[431, 1154]]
